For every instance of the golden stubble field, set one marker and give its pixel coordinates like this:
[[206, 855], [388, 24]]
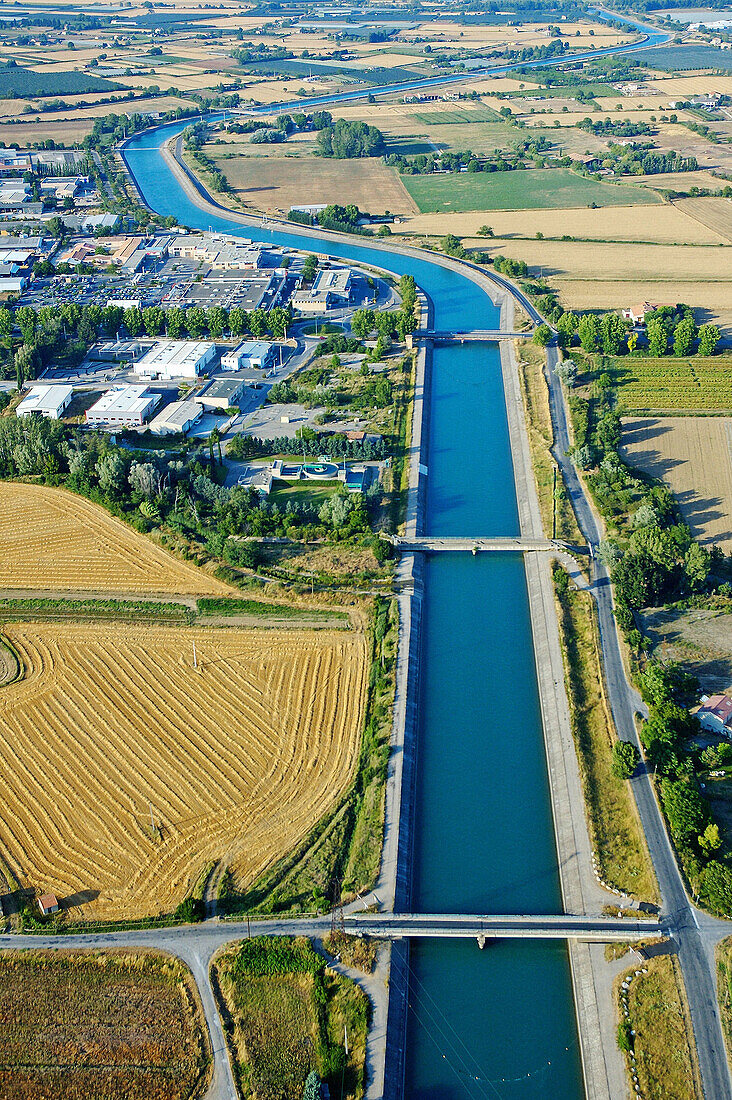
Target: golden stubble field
[[693, 456], [53, 539], [236, 759]]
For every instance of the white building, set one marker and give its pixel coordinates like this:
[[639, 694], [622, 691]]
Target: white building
[[126, 406], [48, 401], [176, 359], [219, 251], [335, 281], [176, 418], [250, 355]]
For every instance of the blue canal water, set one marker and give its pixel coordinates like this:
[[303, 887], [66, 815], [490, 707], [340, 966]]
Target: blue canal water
[[500, 1022]]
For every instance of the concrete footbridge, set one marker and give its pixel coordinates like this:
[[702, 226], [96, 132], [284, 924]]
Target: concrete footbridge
[[554, 927], [436, 545], [477, 335]]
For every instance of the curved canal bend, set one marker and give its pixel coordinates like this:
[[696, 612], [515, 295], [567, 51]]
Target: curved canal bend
[[497, 1023]]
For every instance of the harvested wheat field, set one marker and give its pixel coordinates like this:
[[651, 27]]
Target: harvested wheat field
[[693, 456], [53, 539], [237, 758]]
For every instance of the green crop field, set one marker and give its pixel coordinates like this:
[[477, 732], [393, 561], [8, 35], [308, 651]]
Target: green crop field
[[457, 116], [550, 188], [694, 384], [24, 82], [678, 59]]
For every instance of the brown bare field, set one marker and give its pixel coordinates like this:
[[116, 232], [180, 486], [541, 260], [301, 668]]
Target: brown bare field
[[235, 759], [698, 638], [63, 132], [123, 1026], [693, 456], [683, 87], [277, 183], [669, 224], [714, 213], [53, 539]]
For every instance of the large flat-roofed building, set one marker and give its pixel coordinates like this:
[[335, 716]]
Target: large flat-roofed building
[[309, 301], [176, 418], [335, 281], [222, 393], [252, 354], [176, 359], [126, 406], [220, 252], [46, 400]]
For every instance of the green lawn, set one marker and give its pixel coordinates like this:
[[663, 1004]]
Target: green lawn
[[310, 493], [551, 188]]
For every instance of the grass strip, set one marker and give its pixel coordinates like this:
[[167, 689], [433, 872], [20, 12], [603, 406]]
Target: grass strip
[[222, 605], [13, 608], [555, 506], [724, 991], [286, 1016], [615, 830], [661, 1055]]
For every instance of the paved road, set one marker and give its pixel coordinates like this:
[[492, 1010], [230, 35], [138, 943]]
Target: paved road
[[694, 932], [461, 545], [494, 926]]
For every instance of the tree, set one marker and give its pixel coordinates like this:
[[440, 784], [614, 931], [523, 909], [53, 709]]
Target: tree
[[684, 336], [612, 331], [542, 335], [486, 231], [279, 320], [312, 1090], [258, 323], [697, 564], [153, 318], [717, 885], [195, 321], [217, 319], [133, 321], [657, 337], [27, 321], [111, 469], [626, 759], [6, 323], [710, 839], [238, 321], [588, 330], [175, 323], [687, 812], [362, 323], [709, 337]]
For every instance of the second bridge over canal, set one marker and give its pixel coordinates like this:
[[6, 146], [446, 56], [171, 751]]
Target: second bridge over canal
[[550, 927]]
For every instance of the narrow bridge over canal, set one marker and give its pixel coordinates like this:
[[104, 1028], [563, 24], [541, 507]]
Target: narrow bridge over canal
[[553, 927], [437, 545], [477, 335]]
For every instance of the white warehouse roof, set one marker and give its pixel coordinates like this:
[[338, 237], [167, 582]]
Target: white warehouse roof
[[128, 404], [46, 399], [176, 418], [183, 357]]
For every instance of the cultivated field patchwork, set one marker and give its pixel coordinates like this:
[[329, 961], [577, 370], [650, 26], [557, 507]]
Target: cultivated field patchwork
[[125, 770], [53, 539]]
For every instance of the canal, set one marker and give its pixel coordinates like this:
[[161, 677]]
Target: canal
[[500, 1022]]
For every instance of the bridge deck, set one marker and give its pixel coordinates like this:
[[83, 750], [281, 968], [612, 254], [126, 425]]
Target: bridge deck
[[554, 927], [437, 545]]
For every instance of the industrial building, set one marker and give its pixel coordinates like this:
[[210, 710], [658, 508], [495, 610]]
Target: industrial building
[[250, 355], [176, 359], [221, 252], [126, 406], [46, 400], [176, 418], [222, 393], [335, 281]]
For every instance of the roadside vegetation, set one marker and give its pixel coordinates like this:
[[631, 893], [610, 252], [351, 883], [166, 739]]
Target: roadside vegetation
[[557, 514], [287, 1017], [655, 1031], [126, 1023], [615, 830], [724, 991]]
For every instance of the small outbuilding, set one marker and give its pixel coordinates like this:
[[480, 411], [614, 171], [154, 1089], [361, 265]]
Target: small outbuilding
[[48, 904]]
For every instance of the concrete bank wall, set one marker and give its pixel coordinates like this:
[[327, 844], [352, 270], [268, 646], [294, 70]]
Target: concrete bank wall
[[401, 790]]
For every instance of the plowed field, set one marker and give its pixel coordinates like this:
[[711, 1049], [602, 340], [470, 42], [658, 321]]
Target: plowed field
[[53, 539], [237, 758]]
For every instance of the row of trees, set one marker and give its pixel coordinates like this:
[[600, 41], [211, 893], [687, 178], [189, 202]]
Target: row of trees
[[669, 328]]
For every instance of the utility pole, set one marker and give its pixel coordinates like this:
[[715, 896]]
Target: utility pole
[[195, 660], [152, 821]]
